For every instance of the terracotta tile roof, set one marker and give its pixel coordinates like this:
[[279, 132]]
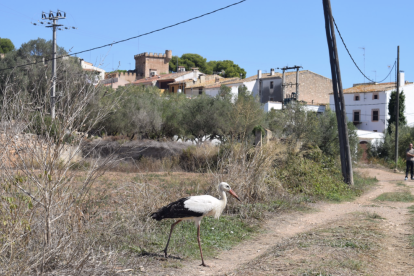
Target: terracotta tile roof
[[232, 81], [375, 87], [225, 81], [204, 84], [161, 77]]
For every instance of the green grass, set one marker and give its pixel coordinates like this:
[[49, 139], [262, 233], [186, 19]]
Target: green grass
[[396, 197], [216, 235]]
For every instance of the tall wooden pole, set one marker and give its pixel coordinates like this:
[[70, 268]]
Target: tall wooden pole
[[345, 152], [397, 107]]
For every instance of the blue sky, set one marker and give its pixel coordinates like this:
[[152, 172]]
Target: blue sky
[[257, 34]]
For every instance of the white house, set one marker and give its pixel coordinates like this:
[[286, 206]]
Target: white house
[[250, 83], [366, 105], [87, 66]]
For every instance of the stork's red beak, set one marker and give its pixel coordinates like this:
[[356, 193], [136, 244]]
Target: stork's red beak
[[234, 194]]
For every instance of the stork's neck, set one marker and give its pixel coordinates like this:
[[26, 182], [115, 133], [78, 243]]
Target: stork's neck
[[223, 196]]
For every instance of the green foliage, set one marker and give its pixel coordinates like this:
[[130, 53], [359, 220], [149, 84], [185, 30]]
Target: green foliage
[[44, 126], [386, 149], [39, 48], [6, 45], [391, 110], [318, 176], [226, 68], [144, 111], [309, 127], [396, 196], [35, 77]]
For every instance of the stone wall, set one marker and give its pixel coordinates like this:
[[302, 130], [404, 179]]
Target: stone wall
[[313, 88]]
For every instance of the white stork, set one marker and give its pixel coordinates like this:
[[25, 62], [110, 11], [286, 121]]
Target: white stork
[[195, 208]]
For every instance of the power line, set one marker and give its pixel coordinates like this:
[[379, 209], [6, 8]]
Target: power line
[[336, 26], [124, 40]]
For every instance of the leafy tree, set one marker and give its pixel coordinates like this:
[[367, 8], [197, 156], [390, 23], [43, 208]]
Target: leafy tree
[[228, 67], [36, 77], [245, 115], [224, 92], [189, 61], [391, 110], [6, 45], [139, 112], [197, 119], [40, 48]]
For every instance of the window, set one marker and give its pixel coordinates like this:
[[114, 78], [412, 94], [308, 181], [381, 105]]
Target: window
[[375, 115], [357, 116], [356, 97], [375, 130], [172, 89], [375, 96], [200, 91], [271, 85]]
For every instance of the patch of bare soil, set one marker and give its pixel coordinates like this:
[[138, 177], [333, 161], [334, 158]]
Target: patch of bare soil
[[390, 251]]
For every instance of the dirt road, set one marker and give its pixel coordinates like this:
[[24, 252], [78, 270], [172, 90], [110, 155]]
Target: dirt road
[[394, 258]]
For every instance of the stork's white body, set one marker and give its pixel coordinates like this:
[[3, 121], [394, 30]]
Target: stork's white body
[[205, 204]]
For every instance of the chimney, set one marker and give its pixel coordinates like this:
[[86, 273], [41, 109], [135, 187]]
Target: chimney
[[217, 80], [402, 78], [181, 69], [194, 69], [272, 71], [259, 74]]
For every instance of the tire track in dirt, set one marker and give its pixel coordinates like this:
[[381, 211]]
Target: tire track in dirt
[[395, 259]]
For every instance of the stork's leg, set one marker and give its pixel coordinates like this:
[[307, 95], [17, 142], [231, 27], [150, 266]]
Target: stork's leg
[[169, 237], [199, 245]]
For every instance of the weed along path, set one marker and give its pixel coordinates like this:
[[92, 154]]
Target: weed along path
[[365, 236]]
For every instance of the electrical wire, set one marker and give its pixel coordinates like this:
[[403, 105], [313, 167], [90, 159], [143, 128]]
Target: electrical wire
[[124, 40], [337, 29]]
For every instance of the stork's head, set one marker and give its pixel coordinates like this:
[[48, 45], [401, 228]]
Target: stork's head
[[223, 186]]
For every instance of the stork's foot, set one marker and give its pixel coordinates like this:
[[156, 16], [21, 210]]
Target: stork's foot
[[165, 253], [203, 264]]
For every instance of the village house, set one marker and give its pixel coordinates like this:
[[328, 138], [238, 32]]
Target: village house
[[88, 67], [163, 81], [314, 89], [366, 105]]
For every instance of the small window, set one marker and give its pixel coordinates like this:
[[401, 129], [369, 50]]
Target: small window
[[356, 97], [356, 116], [375, 115], [375, 96], [375, 130], [200, 91], [271, 85]]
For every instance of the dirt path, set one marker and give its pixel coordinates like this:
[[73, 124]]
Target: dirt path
[[395, 260]]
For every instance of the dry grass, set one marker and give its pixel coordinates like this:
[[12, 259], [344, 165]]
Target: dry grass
[[348, 247]]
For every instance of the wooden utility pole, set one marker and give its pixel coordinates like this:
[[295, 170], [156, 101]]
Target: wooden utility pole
[[397, 108], [346, 162]]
